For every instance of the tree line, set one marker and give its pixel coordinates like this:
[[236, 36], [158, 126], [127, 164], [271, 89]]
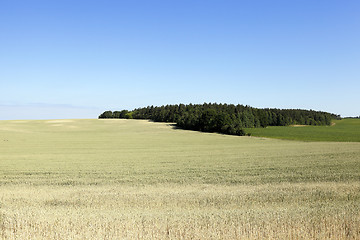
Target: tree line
[[224, 118]]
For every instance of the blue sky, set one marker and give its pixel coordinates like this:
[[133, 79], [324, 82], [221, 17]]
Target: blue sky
[[76, 59]]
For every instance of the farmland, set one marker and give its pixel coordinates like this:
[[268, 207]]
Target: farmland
[[345, 130], [135, 179]]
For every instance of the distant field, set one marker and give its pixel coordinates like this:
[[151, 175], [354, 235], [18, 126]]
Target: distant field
[[135, 179], [345, 130]]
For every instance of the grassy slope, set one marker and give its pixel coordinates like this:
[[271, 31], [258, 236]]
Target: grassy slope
[[138, 179], [346, 130]]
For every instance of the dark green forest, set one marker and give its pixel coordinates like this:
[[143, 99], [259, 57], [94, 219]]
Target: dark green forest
[[224, 118]]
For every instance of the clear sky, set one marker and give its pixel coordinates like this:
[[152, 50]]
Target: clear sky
[[76, 59]]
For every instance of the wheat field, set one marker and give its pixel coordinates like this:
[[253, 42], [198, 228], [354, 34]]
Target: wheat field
[[135, 179]]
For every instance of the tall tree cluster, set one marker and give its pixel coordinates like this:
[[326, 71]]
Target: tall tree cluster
[[224, 118]]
